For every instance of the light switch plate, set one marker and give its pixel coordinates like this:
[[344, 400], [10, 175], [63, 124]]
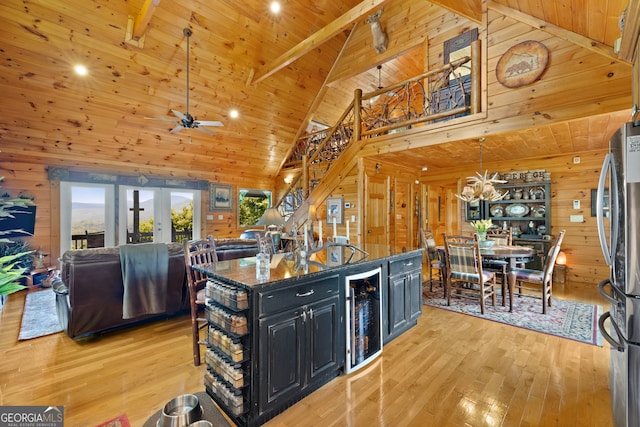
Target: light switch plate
[[209, 217], [220, 217], [576, 204], [576, 218]]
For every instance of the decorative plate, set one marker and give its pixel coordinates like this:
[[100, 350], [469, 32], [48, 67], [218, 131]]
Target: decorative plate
[[522, 64], [517, 210], [497, 210], [539, 211]]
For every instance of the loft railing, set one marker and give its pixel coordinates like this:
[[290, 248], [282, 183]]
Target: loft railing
[[436, 95]]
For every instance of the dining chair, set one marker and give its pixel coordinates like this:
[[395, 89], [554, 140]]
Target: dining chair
[[502, 237], [540, 281], [434, 260], [465, 275], [198, 252]]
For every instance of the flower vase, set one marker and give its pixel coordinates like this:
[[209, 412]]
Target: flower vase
[[482, 240]]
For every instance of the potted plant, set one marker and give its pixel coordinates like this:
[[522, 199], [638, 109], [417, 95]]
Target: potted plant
[[481, 226], [15, 257]]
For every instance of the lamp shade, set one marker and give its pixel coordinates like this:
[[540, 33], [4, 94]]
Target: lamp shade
[[561, 259], [271, 217]]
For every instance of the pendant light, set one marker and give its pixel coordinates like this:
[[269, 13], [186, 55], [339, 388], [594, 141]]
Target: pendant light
[[481, 186]]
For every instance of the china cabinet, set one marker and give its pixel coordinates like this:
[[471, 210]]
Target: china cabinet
[[527, 209]]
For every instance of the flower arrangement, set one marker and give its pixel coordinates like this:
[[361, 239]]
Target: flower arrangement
[[482, 225]]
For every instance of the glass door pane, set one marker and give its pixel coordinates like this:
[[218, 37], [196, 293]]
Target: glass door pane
[[86, 219], [182, 214], [140, 224]]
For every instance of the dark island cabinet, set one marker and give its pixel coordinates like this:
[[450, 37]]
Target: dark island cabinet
[[272, 343], [301, 341], [402, 299]]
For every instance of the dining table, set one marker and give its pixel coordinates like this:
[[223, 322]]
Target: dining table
[[513, 255]]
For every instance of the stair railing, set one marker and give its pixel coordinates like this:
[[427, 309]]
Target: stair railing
[[450, 90]]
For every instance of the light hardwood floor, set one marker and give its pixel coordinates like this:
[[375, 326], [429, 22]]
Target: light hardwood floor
[[450, 370]]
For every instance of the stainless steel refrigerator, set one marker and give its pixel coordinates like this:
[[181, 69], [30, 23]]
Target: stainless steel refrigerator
[[618, 217]]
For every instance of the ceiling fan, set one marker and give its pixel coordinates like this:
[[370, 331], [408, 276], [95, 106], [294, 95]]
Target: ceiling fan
[[186, 120]]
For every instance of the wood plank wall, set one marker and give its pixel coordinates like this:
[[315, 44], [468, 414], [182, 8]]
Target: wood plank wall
[[32, 179], [570, 181]]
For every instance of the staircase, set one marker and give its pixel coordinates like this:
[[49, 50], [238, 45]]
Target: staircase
[[430, 97]]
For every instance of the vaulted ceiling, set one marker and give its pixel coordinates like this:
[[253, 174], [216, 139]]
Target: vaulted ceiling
[[278, 71]]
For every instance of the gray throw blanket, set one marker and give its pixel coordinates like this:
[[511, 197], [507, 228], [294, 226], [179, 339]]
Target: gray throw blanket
[[145, 269]]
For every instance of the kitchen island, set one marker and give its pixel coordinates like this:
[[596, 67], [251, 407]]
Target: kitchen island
[[272, 342]]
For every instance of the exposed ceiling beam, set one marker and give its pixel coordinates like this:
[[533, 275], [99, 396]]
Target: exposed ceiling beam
[[630, 32], [316, 39], [142, 20], [570, 36]]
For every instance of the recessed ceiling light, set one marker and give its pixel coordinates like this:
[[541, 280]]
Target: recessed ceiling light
[[424, 169], [275, 7], [234, 114], [80, 70]]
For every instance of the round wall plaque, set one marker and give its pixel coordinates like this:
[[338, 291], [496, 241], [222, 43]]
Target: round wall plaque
[[522, 64]]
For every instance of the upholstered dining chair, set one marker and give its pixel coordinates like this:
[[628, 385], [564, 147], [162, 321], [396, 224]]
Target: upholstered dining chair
[[434, 260], [197, 252], [502, 237], [540, 281], [465, 276]]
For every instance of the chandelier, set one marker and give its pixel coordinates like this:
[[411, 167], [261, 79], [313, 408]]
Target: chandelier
[[481, 186]]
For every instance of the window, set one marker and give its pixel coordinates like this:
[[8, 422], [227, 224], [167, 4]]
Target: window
[[251, 206]]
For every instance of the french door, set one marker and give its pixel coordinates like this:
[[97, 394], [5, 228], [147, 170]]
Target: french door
[[154, 207], [102, 215]]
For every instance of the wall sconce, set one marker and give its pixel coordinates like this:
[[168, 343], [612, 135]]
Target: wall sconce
[[378, 167], [560, 269], [561, 259]]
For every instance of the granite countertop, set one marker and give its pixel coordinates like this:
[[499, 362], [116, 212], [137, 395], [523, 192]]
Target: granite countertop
[[285, 267]]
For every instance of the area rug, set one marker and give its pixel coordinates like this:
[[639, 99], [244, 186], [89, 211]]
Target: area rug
[[39, 317], [567, 319], [120, 421]]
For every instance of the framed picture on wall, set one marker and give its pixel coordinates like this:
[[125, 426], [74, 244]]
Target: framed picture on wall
[[334, 210], [220, 197], [334, 256]]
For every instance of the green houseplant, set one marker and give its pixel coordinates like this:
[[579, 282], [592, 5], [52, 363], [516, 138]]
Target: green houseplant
[[15, 257]]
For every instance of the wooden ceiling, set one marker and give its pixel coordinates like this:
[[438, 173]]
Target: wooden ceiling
[[279, 72]]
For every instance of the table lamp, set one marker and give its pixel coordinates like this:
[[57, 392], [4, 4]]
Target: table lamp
[[272, 220]]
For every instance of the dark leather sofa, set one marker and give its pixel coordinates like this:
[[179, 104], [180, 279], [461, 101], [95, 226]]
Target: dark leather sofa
[[235, 248], [89, 296], [90, 290]]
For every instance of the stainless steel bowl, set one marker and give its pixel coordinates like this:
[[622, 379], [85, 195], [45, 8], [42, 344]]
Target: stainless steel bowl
[[181, 411], [201, 423]]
